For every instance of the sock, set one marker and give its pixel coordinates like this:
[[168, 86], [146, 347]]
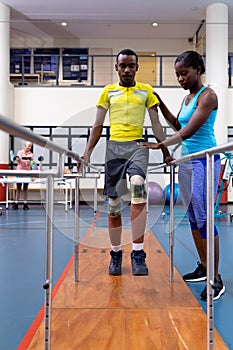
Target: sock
[[138, 246], [116, 248]]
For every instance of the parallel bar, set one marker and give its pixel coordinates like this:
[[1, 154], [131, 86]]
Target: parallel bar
[[95, 201], [15, 129], [210, 250], [171, 230], [214, 150], [76, 232], [49, 262], [29, 173]]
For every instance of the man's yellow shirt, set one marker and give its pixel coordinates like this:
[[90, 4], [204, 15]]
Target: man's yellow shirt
[[127, 108]]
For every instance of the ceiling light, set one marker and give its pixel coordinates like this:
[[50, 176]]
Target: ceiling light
[[155, 24], [64, 24]]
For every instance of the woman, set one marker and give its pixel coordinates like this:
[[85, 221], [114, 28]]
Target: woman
[[24, 158], [195, 129]]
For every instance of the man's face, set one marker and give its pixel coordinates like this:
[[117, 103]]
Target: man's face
[[126, 67]]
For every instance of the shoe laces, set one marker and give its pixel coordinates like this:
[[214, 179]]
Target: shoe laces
[[200, 267], [115, 259], [217, 283], [139, 258]]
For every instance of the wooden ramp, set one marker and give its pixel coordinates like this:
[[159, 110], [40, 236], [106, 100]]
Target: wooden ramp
[[102, 312]]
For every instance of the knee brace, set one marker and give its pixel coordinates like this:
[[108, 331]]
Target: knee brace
[[114, 207], [137, 189]]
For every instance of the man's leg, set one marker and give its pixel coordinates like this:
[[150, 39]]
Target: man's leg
[[138, 224], [115, 230]]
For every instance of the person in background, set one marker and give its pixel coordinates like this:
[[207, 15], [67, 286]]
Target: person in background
[[127, 102], [23, 158], [194, 127]]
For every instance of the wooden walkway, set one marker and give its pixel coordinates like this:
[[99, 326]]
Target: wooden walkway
[[102, 312]]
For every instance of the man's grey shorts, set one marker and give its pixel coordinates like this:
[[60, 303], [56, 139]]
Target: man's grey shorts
[[123, 158]]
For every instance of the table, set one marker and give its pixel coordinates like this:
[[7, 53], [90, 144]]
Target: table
[[58, 184]]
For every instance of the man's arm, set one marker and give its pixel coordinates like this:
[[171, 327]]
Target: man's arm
[[158, 129], [95, 134]]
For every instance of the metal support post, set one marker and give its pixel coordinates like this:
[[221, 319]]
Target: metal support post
[[49, 261], [210, 250], [147, 203], [76, 231], [95, 201], [66, 196], [171, 230]]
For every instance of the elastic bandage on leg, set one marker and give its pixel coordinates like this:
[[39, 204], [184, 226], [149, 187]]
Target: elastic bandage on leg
[[114, 207], [137, 189]]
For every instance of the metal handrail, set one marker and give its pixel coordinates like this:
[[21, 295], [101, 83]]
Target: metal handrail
[[15, 129], [208, 153]]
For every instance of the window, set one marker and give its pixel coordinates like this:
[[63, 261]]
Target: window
[[20, 61], [75, 64], [46, 60]]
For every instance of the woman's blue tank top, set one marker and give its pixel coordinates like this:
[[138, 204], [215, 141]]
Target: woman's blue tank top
[[204, 137]]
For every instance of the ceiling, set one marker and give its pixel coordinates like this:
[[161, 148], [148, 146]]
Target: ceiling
[[106, 19]]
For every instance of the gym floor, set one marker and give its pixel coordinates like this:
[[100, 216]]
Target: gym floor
[[23, 250]]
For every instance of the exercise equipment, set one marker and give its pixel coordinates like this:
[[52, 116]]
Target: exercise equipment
[[13, 157], [40, 158], [225, 175], [33, 165], [155, 193], [177, 198]]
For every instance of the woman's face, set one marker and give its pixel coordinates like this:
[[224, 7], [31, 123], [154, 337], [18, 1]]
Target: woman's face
[[187, 76], [27, 147]]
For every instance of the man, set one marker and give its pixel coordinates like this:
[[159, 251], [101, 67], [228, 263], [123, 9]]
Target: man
[[126, 101]]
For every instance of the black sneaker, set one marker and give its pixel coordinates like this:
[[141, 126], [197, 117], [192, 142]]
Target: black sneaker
[[25, 206], [15, 206], [115, 263], [218, 288], [198, 275], [138, 263]]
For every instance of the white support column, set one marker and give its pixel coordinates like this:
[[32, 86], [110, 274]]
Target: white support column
[[217, 62], [6, 91]]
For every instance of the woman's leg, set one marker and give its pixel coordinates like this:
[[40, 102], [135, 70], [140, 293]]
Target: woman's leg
[[25, 192], [18, 191]]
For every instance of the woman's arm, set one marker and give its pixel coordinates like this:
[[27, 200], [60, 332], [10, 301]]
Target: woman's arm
[[158, 129], [207, 102], [170, 118]]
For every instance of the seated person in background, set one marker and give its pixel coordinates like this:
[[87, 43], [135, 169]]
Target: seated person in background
[[23, 159]]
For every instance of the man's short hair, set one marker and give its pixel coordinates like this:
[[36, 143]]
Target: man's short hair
[[127, 52]]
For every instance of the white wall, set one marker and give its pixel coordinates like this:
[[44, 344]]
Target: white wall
[[76, 105], [161, 47]]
